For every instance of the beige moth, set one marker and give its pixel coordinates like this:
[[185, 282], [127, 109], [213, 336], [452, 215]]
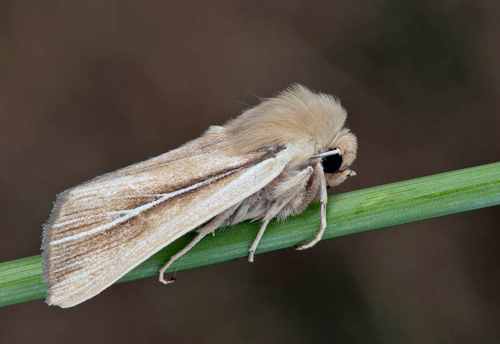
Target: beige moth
[[270, 162]]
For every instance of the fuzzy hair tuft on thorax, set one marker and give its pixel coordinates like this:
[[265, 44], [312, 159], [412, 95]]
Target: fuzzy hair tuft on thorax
[[296, 115]]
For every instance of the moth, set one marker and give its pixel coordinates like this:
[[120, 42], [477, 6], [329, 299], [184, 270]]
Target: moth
[[270, 162]]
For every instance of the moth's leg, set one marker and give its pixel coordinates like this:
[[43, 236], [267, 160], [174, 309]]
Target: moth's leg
[[318, 169], [334, 179], [294, 183], [210, 227], [257, 239]]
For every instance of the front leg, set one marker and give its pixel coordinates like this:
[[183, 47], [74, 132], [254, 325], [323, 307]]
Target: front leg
[[334, 179], [318, 171]]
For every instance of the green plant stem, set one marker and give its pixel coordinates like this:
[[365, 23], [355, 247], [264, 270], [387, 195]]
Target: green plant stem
[[348, 213]]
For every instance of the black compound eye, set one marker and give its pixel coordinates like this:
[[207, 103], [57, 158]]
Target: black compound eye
[[332, 163]]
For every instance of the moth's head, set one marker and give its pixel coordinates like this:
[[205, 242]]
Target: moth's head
[[337, 166]]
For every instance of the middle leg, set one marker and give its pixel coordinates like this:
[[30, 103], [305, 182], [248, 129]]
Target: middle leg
[[285, 191]]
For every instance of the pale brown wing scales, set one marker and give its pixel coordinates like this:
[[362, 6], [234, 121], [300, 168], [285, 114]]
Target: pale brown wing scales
[[123, 218]]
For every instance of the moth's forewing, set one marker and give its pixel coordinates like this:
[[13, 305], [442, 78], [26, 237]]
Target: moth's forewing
[[102, 229]]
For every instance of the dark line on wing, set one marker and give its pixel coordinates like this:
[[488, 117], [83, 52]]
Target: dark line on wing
[[79, 225], [79, 211]]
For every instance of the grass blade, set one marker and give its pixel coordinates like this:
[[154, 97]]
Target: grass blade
[[352, 212]]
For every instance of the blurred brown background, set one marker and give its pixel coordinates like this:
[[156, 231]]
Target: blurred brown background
[[88, 87]]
